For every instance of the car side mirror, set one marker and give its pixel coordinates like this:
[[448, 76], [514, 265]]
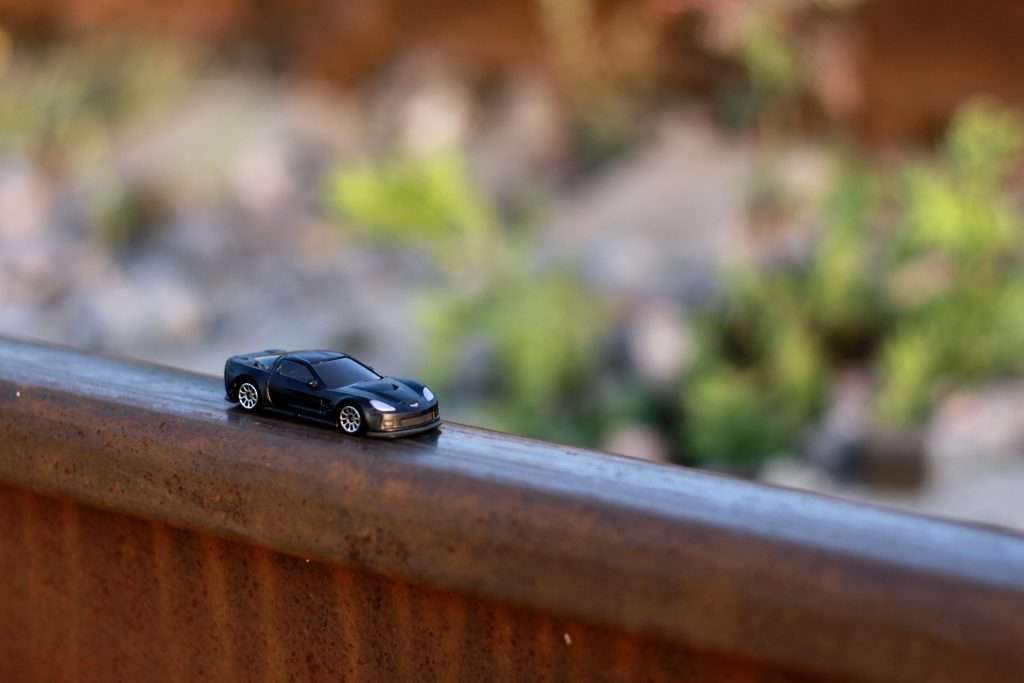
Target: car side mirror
[[312, 384]]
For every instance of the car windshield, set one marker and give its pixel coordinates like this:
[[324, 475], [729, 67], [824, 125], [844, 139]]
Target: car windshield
[[344, 371]]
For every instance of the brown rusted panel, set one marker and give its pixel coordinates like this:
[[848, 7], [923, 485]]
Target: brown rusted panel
[[98, 596], [523, 539]]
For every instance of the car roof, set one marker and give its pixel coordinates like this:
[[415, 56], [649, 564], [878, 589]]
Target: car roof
[[313, 357]]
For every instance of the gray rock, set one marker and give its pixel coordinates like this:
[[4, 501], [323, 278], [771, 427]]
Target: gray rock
[[659, 342], [851, 446], [24, 200], [637, 441], [660, 223]]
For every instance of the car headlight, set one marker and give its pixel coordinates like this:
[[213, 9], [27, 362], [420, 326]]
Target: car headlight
[[428, 394], [382, 406]]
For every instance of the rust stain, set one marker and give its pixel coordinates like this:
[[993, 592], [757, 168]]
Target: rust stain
[[212, 568], [447, 623], [72, 550], [31, 563], [267, 600], [166, 583], [545, 639], [348, 617], [624, 659], [401, 608], [502, 651]]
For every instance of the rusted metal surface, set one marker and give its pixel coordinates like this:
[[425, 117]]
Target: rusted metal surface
[[103, 596], [465, 555]]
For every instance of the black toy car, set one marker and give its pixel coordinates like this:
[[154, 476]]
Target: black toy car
[[330, 387]]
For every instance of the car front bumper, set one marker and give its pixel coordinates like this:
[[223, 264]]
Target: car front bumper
[[403, 423], [405, 431]]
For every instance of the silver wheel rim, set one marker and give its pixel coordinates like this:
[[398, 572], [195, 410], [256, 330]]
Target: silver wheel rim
[[247, 396], [349, 419]]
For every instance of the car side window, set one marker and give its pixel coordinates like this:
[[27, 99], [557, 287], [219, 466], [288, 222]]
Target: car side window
[[293, 370]]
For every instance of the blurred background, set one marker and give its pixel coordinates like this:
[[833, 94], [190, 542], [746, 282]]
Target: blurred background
[[782, 239]]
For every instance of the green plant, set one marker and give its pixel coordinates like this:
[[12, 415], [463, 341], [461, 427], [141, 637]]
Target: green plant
[[759, 378], [604, 70], [916, 273], [959, 219], [770, 57], [424, 201], [65, 102], [772, 60], [542, 330], [124, 217]]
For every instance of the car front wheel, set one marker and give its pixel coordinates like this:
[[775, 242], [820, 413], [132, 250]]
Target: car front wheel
[[248, 396], [350, 419]]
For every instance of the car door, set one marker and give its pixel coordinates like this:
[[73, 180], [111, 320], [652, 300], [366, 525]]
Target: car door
[[290, 388]]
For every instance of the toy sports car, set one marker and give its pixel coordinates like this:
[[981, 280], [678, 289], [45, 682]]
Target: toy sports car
[[330, 387]]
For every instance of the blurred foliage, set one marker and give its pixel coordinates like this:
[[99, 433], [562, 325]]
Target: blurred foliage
[[916, 273], [421, 200], [795, 58], [960, 230], [771, 60], [65, 103], [125, 216], [541, 331], [760, 374], [605, 71]]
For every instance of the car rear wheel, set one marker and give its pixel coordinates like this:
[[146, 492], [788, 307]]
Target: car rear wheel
[[350, 419], [248, 396]]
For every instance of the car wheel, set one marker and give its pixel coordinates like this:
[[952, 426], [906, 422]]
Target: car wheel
[[248, 396], [350, 419]]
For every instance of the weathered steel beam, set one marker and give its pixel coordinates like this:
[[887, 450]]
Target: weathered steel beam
[[136, 500]]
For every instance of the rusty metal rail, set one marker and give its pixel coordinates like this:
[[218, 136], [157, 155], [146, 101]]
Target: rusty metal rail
[[148, 530]]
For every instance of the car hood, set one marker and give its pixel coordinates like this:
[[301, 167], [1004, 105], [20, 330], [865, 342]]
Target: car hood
[[389, 390]]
